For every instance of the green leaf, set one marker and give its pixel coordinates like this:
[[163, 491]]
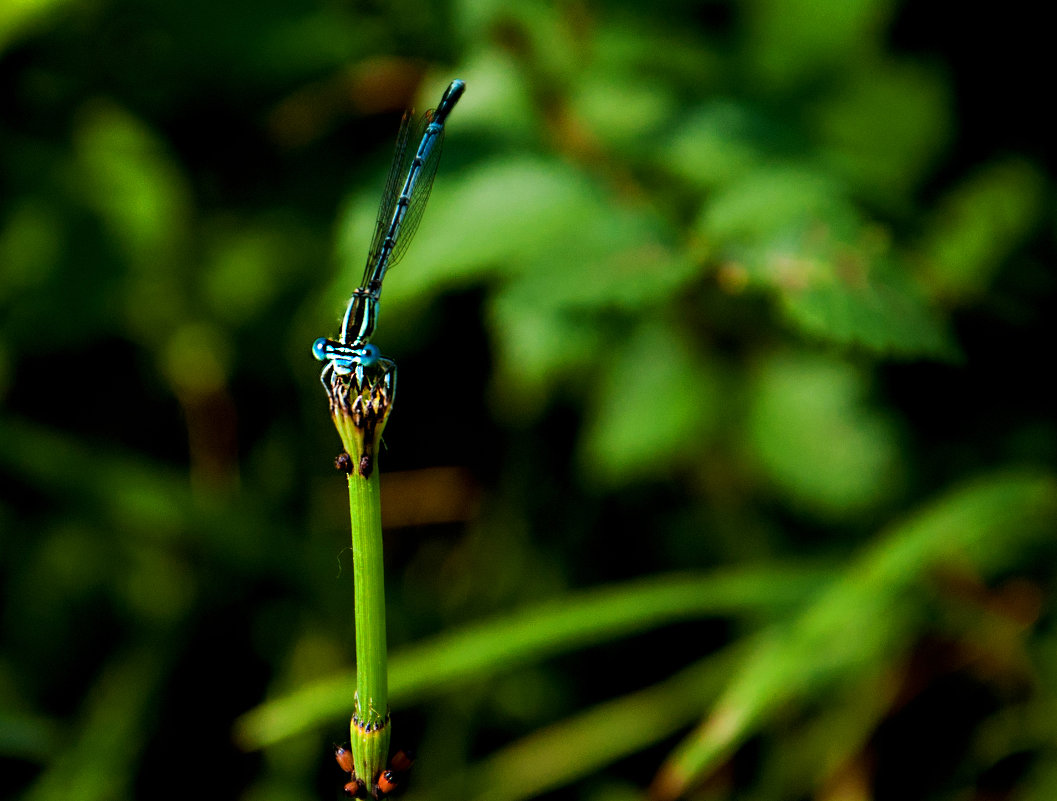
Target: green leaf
[[537, 350], [128, 176], [870, 306], [867, 618], [793, 39], [792, 232], [978, 225], [19, 16], [816, 439], [654, 409], [581, 744], [720, 142], [576, 621], [884, 128]]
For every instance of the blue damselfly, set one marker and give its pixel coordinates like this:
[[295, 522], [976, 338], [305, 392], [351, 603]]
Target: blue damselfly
[[406, 192]]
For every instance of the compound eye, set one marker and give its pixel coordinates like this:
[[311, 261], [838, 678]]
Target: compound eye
[[371, 354], [319, 349]]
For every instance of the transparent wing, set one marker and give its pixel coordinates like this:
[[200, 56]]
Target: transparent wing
[[378, 262], [420, 194], [403, 155]]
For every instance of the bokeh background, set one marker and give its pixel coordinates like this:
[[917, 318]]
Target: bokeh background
[[722, 459]]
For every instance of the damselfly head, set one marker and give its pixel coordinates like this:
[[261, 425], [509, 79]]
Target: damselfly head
[[319, 349]]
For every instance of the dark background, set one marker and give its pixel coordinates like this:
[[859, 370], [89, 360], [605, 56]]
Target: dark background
[[754, 295]]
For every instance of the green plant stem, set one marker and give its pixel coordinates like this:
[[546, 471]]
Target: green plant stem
[[369, 727], [360, 411], [372, 687]]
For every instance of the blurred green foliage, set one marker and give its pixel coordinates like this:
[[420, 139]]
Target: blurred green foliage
[[727, 323]]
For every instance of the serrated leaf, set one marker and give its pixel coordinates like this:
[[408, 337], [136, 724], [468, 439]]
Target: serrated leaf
[[792, 232]]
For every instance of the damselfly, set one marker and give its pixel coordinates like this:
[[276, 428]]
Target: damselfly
[[406, 192]]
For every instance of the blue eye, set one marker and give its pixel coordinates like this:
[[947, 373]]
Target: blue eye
[[319, 349], [370, 355]]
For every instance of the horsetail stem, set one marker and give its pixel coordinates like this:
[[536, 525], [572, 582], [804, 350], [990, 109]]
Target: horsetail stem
[[360, 406]]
